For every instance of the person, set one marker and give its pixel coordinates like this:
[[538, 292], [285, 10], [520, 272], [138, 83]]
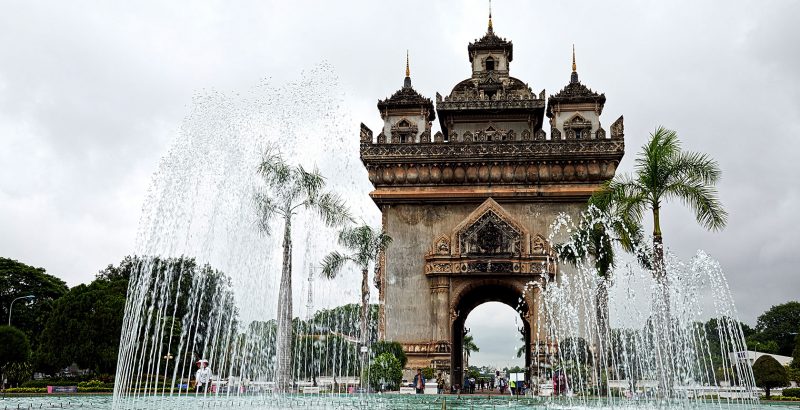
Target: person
[[465, 385], [419, 382], [471, 385], [202, 376], [512, 385], [440, 384]]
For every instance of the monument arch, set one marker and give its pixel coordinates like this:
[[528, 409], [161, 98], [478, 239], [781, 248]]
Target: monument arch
[[469, 209]]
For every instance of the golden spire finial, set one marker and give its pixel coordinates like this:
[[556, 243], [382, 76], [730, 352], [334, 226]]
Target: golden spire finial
[[574, 67], [408, 67], [490, 15]]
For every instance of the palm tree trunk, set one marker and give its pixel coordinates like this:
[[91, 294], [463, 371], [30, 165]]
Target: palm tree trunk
[[663, 325], [364, 314], [283, 371]]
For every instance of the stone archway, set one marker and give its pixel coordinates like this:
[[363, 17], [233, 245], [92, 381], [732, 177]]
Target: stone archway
[[476, 294], [488, 256]]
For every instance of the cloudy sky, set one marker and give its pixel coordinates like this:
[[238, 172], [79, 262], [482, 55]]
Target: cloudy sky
[[93, 93]]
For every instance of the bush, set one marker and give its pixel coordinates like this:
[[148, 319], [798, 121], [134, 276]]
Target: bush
[[769, 374], [428, 373], [791, 392], [395, 348], [26, 390], [385, 368]]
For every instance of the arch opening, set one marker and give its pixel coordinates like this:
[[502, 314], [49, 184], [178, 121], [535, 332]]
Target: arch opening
[[478, 295]]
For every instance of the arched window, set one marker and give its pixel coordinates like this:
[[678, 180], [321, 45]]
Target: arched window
[[489, 64]]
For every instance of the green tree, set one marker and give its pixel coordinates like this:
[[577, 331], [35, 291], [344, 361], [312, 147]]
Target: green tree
[[85, 327], [468, 346], [385, 369], [18, 279], [289, 189], [769, 346], [345, 320], [395, 348], [665, 172], [796, 352], [365, 245], [769, 374], [14, 348], [780, 323]]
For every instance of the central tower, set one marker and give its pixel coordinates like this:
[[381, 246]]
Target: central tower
[[469, 207]]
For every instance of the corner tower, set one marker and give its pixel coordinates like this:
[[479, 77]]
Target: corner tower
[[470, 207]]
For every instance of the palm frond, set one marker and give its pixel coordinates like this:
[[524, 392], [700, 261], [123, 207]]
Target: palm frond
[[382, 241], [274, 169], [332, 264], [310, 183], [697, 166], [266, 209], [331, 208], [703, 200]]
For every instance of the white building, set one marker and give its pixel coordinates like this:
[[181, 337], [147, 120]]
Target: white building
[[751, 356]]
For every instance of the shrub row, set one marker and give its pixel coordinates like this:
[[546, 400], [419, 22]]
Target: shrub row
[[791, 392], [66, 382], [44, 389]]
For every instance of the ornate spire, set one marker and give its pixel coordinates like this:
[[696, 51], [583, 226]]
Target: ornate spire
[[573, 59], [490, 17], [407, 82], [573, 79]]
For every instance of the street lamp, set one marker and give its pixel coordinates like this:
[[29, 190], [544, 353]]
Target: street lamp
[[11, 306]]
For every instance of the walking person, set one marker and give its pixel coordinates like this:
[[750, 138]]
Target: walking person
[[202, 377], [419, 382], [440, 384]]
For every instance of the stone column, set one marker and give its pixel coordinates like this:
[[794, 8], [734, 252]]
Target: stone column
[[440, 317]]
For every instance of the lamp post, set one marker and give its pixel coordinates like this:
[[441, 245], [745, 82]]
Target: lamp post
[[11, 306]]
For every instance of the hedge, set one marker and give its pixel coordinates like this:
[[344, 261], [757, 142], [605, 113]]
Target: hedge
[[791, 392]]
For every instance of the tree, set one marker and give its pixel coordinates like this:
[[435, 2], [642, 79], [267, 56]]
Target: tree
[[385, 372], [780, 323], [18, 279], [769, 374], [365, 244], [665, 172], [468, 346], [796, 353], [289, 189], [395, 348], [85, 327], [14, 348]]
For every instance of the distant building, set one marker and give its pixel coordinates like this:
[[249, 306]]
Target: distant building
[[751, 356]]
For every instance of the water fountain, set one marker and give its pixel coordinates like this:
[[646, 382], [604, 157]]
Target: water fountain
[[218, 300]]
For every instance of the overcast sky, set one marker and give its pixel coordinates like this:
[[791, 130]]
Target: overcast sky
[[93, 93]]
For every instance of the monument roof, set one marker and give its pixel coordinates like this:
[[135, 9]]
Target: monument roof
[[408, 97], [491, 41]]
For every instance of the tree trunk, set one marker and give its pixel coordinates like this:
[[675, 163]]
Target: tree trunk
[[283, 370], [364, 315], [663, 325], [603, 327]]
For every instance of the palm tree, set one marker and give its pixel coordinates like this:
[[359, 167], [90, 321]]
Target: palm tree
[[665, 172], [468, 346], [365, 244], [288, 190]]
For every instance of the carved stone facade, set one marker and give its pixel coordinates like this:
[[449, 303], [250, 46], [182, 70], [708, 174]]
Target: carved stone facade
[[470, 207]]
